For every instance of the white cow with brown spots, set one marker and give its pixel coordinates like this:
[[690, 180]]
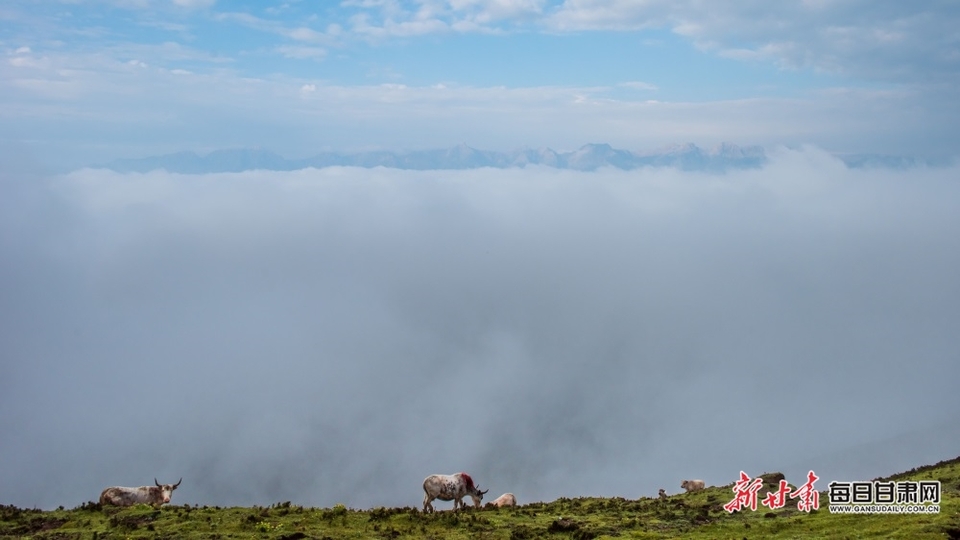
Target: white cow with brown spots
[[450, 487], [692, 485], [129, 496]]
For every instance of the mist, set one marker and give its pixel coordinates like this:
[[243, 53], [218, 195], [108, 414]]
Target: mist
[[336, 335]]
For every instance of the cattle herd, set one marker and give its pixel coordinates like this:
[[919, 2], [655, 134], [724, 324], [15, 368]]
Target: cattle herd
[[443, 487]]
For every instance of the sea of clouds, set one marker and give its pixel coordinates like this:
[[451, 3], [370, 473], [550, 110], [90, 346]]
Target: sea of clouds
[[335, 335]]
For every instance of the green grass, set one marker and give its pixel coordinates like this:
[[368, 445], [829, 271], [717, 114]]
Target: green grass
[[695, 515]]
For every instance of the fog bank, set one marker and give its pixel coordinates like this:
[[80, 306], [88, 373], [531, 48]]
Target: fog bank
[[334, 336]]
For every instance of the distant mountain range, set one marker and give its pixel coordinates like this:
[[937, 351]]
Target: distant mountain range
[[589, 157]]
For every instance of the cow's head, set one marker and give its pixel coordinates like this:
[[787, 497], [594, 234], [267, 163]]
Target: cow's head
[[166, 490], [477, 496]]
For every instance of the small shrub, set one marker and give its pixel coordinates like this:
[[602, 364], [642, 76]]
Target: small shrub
[[264, 526], [585, 534], [338, 511], [522, 532], [380, 513], [563, 525], [131, 521]]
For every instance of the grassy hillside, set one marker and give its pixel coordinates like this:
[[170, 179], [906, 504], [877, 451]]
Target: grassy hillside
[[695, 515]]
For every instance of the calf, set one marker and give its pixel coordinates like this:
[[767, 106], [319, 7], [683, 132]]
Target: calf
[[450, 487], [692, 485], [507, 499], [663, 494], [129, 496]]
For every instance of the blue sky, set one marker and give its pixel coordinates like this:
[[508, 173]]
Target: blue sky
[[95, 80]]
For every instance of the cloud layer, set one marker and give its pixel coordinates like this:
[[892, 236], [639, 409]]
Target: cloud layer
[[336, 335], [888, 40]]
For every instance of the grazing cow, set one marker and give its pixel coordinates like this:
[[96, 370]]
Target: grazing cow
[[507, 499], [663, 494], [128, 496], [453, 487], [692, 485]]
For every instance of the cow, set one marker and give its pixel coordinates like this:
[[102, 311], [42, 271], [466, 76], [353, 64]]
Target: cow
[[507, 499], [692, 485], [129, 496], [452, 487], [663, 494]]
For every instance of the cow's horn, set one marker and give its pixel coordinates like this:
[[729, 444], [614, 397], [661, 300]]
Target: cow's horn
[[155, 482], [178, 482]]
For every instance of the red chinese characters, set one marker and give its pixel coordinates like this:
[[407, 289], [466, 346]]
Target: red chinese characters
[[746, 489], [746, 493]]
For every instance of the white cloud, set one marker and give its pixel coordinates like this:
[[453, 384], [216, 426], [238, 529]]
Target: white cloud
[[193, 4], [302, 52], [304, 34], [22, 61], [576, 15], [487, 11], [392, 19], [128, 4], [362, 25], [638, 85], [299, 33], [168, 52], [887, 40], [307, 89]]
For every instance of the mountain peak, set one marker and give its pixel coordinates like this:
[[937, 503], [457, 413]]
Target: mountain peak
[[588, 157]]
